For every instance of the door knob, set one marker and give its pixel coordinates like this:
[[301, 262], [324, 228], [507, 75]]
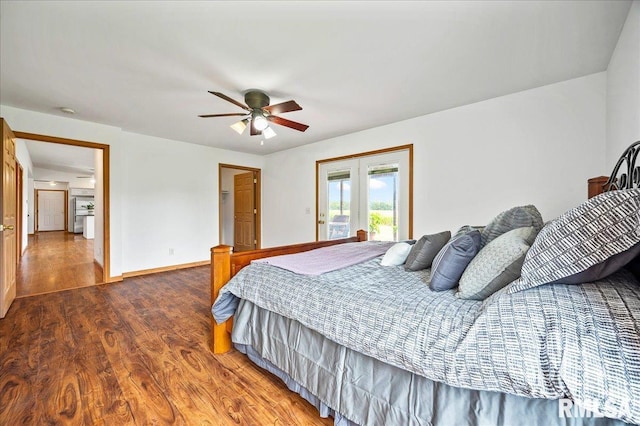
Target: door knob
[[8, 227], [321, 222]]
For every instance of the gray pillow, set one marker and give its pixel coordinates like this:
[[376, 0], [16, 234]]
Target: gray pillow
[[425, 250], [516, 217], [468, 228], [586, 239], [453, 259], [496, 265]]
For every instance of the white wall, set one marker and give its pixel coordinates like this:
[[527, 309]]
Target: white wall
[[59, 186], [171, 200], [623, 90], [163, 193], [538, 146], [23, 157]]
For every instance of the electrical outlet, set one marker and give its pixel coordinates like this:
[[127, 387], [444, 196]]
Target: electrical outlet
[[307, 210], [171, 251]]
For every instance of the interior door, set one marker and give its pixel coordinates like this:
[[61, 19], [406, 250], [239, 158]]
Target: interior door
[[51, 211], [8, 247], [244, 211]]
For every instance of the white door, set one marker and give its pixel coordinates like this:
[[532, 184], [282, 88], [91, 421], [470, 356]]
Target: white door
[[50, 210], [369, 192], [384, 196], [337, 199]]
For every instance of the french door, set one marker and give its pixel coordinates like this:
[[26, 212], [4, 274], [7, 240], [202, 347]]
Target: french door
[[369, 192]]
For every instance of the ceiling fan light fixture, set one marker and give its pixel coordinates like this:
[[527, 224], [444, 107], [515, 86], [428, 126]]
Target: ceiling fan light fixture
[[259, 122], [268, 133], [240, 126]]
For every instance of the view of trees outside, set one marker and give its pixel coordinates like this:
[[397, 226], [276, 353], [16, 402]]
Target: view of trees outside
[[382, 207]]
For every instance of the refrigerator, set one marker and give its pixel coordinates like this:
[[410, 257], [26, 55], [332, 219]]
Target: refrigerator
[[81, 209]]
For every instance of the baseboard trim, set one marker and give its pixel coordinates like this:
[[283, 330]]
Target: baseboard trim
[[116, 279], [131, 274]]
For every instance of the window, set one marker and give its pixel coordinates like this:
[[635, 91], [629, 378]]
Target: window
[[370, 191]]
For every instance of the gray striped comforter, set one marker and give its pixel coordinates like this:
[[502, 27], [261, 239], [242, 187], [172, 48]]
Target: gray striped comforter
[[554, 341]]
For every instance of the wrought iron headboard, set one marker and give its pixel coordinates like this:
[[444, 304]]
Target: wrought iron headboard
[[629, 178]]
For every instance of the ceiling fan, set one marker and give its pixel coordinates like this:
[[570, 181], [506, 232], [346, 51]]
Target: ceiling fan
[[259, 114]]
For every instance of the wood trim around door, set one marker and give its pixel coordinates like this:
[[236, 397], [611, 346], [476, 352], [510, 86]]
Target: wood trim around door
[[36, 212], [19, 209], [408, 147], [106, 240], [258, 200]]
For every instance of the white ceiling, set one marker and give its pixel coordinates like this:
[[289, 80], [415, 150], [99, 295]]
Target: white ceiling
[[64, 158], [146, 66]]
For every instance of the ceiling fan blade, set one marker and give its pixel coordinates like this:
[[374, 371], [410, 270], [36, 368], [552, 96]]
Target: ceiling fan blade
[[228, 99], [282, 107], [254, 131], [231, 114], [287, 123]]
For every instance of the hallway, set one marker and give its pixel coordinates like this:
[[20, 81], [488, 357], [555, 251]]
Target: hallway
[[56, 261]]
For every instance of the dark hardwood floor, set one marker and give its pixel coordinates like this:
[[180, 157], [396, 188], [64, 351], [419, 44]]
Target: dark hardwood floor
[[54, 261], [133, 353]]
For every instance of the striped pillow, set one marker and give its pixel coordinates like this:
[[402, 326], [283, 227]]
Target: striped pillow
[[600, 230], [452, 260]]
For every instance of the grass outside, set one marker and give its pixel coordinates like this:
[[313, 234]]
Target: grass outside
[[384, 231]]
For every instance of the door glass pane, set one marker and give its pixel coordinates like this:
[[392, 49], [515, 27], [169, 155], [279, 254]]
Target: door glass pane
[[339, 199], [382, 187]]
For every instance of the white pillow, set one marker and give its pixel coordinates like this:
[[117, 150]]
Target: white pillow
[[396, 255]]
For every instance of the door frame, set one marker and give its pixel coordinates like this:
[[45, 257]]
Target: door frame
[[106, 238], [19, 201], [36, 209], [408, 147], [258, 203]]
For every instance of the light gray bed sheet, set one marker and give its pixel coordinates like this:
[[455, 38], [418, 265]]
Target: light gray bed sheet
[[365, 391]]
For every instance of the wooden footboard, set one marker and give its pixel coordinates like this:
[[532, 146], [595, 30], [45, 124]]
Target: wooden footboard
[[225, 264]]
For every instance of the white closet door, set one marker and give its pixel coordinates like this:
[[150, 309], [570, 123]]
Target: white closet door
[[50, 210]]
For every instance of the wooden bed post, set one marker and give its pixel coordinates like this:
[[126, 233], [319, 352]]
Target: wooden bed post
[[362, 235], [596, 185], [220, 275]]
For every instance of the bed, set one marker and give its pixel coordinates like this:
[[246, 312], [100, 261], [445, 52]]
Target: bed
[[369, 344]]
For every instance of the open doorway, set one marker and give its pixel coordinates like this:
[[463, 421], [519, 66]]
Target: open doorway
[[80, 245], [239, 207]]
